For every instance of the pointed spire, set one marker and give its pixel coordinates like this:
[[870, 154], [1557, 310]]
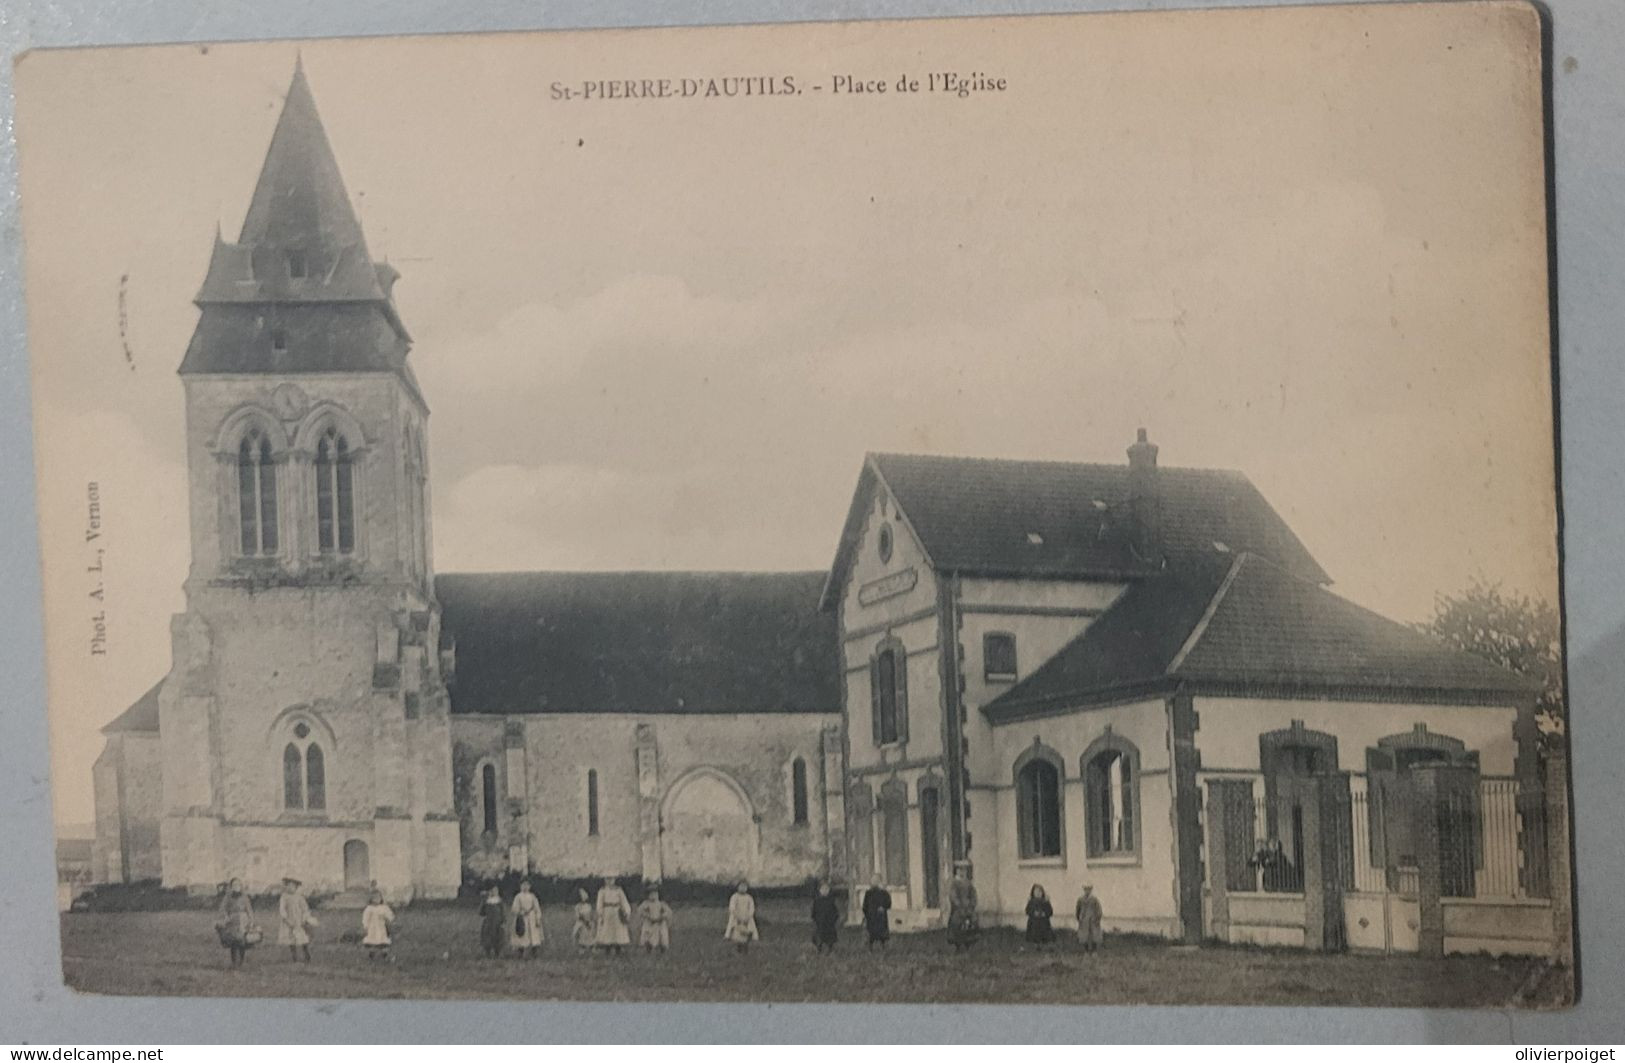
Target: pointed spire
[[300, 203]]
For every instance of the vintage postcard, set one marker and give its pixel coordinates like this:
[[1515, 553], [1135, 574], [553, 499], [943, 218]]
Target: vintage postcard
[[1053, 509]]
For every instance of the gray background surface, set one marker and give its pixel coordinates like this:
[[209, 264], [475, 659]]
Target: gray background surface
[[1588, 93]]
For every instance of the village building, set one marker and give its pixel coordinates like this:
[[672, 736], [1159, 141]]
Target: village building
[[1135, 677]]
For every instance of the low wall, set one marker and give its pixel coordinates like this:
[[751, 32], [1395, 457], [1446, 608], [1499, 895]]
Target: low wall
[[1498, 926], [1267, 919]]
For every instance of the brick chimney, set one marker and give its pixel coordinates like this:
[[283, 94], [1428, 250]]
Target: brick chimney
[[1144, 499]]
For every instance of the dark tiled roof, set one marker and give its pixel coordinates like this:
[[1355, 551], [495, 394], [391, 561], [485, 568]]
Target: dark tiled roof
[[141, 716], [317, 339], [640, 642], [1251, 627], [1067, 519]]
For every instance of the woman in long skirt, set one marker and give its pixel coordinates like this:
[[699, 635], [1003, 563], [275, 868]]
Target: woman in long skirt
[[614, 913], [877, 913], [583, 934], [741, 929], [1039, 913], [525, 922], [493, 913], [962, 920], [826, 919], [236, 921]]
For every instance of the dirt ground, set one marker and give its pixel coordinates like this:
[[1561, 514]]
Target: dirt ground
[[437, 955]]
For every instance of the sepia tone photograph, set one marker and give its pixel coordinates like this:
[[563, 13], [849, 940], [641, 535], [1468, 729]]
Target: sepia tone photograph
[[1056, 509]]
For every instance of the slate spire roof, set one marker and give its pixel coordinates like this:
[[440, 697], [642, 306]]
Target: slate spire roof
[[298, 291]]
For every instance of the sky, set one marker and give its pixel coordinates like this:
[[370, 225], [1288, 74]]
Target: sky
[[1304, 243]]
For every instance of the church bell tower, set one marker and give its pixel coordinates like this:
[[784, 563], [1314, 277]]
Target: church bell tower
[[304, 721]]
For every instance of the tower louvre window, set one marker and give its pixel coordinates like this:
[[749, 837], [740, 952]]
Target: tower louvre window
[[298, 265], [335, 494], [798, 791], [256, 495]]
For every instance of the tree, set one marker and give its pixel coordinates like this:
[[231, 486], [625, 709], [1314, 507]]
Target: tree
[[1515, 631]]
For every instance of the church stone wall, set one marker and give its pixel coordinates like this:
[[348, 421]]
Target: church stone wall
[[643, 764]]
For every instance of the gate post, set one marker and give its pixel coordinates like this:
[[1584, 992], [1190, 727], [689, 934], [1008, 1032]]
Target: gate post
[[1557, 852], [1218, 862]]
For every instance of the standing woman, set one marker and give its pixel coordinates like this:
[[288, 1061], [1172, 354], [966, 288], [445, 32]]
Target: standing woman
[[293, 913], [1039, 913], [527, 922], [236, 924], [826, 918], [614, 917], [877, 913], [583, 933], [492, 915], [741, 928], [962, 924]]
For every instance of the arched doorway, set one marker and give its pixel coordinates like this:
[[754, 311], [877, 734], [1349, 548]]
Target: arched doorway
[[708, 829], [357, 874]]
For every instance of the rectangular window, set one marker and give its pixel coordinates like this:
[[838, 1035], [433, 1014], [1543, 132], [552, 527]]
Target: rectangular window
[[298, 268], [592, 802], [999, 655], [279, 339]]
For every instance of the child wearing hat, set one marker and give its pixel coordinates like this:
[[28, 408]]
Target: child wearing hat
[[295, 920], [1089, 915]]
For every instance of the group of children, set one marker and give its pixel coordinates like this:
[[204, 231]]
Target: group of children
[[605, 921]]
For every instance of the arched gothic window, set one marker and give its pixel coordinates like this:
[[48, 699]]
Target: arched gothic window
[[798, 791], [1038, 804], [304, 772], [335, 494], [1111, 796], [488, 797], [256, 495]]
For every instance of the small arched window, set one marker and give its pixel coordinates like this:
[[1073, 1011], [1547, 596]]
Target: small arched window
[[1111, 781], [488, 797], [798, 791], [1038, 804], [592, 802], [335, 494], [293, 777], [888, 687], [256, 495], [315, 777]]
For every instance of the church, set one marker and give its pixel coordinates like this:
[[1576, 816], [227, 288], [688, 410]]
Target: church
[[1127, 676]]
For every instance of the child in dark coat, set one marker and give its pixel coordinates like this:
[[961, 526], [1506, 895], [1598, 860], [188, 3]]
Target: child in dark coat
[[1039, 913], [493, 923]]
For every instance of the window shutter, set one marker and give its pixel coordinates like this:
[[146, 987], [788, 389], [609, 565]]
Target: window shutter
[[874, 696], [1092, 788], [900, 670]]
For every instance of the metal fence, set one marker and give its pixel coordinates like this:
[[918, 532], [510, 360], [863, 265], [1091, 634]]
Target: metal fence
[[1491, 841]]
